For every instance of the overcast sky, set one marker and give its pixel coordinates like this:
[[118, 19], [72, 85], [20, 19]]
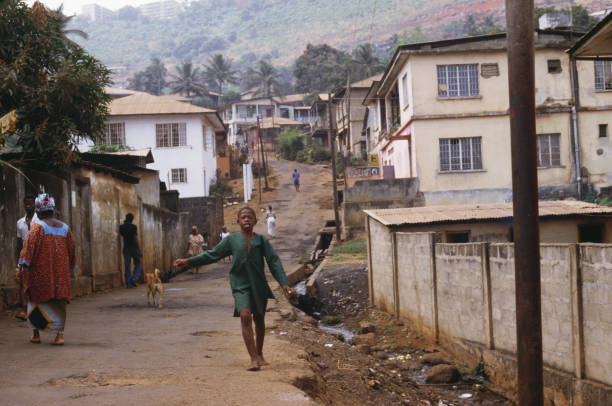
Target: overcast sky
[[74, 6]]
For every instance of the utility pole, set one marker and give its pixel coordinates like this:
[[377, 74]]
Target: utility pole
[[349, 140], [521, 78], [263, 158], [332, 146], [258, 165]]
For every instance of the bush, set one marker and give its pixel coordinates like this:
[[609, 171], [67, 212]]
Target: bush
[[319, 154], [290, 143], [220, 187], [301, 156]]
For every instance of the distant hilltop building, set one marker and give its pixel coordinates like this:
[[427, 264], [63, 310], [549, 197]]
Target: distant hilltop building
[[557, 19], [96, 12], [160, 9]]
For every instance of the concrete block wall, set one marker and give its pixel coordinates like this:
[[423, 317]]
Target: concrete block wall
[[416, 279], [460, 290], [465, 294], [381, 286], [596, 267]]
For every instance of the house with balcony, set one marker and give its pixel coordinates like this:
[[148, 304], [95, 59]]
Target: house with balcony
[[349, 112], [440, 113], [320, 123], [241, 115]]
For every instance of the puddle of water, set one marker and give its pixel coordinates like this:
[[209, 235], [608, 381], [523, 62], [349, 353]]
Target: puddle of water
[[348, 335], [174, 289]]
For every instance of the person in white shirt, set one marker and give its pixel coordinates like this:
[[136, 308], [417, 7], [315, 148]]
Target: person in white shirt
[[23, 227]]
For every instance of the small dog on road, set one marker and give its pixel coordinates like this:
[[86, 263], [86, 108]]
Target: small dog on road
[[154, 286]]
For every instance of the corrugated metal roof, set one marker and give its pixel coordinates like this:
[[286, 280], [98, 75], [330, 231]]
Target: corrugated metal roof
[[142, 103], [277, 122], [480, 212]]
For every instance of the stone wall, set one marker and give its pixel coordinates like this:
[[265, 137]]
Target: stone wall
[[206, 213], [377, 194], [465, 295]]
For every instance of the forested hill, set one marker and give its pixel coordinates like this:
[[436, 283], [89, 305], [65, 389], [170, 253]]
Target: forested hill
[[248, 30]]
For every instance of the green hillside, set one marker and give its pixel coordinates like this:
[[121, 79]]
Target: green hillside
[[247, 30]]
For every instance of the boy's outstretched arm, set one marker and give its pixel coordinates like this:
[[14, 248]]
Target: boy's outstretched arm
[[276, 268], [221, 250]]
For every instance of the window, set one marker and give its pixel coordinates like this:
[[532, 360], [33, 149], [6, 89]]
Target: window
[[383, 115], [603, 75], [170, 135], [457, 237], [209, 144], [405, 88], [395, 108], [554, 66], [179, 175], [590, 233], [460, 154], [251, 111], [458, 80], [603, 130], [114, 134], [284, 113], [549, 151]]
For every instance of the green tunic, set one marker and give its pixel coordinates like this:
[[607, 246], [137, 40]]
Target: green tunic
[[247, 278]]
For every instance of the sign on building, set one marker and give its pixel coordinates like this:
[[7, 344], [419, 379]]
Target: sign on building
[[373, 159]]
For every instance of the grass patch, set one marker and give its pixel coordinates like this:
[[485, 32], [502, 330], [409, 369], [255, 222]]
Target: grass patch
[[352, 247]]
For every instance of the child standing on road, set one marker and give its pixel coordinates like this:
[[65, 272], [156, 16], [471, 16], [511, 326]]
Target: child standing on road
[[247, 279]]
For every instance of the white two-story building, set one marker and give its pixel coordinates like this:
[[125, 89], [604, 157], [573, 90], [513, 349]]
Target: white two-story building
[[180, 135]]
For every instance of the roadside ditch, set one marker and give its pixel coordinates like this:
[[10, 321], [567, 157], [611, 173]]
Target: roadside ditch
[[364, 356]]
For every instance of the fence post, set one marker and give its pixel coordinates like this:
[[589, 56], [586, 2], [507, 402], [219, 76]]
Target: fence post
[[369, 236], [395, 274], [434, 286], [486, 292], [577, 310]]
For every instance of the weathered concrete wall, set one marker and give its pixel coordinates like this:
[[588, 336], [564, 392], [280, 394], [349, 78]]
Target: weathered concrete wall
[[206, 213], [460, 291], [415, 275], [148, 187], [557, 263], [596, 266], [382, 275], [474, 305], [160, 228], [9, 212], [378, 194]]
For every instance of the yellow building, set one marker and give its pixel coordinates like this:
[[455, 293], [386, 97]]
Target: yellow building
[[440, 112]]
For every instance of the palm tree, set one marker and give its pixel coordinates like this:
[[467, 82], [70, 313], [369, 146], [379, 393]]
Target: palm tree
[[219, 70], [64, 20], [186, 81], [155, 75], [266, 76], [365, 58]]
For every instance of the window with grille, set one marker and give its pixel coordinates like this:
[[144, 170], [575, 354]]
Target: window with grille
[[549, 150], [603, 130], [458, 80], [209, 144], [114, 134], [603, 75], [179, 175], [170, 135], [460, 154]]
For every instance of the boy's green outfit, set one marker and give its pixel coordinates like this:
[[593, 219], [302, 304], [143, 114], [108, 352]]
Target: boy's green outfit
[[247, 278]]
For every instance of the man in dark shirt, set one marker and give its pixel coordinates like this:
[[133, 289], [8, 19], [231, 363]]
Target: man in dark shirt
[[131, 250]]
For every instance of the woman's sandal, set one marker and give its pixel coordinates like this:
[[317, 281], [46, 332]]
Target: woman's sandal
[[35, 340], [58, 341]]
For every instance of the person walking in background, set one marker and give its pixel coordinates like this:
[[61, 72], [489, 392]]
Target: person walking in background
[[23, 227], [46, 261], [131, 251], [271, 221], [194, 246], [296, 180]]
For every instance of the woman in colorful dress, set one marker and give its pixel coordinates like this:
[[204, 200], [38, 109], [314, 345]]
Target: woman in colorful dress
[[46, 260], [196, 241]]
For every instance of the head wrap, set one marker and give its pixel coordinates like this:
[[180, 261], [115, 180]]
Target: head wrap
[[44, 203]]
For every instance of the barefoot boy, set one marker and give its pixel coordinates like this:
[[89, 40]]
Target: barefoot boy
[[247, 279]]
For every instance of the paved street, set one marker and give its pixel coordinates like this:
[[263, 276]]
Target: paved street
[[119, 351]]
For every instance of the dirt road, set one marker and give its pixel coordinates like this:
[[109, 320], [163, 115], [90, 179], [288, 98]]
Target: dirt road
[[119, 351]]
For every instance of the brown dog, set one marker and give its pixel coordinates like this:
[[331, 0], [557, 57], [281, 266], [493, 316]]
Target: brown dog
[[154, 286]]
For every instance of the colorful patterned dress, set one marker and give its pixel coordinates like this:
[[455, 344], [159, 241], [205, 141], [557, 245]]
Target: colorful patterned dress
[[48, 255]]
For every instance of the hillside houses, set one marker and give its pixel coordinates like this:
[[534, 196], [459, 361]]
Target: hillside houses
[[440, 113]]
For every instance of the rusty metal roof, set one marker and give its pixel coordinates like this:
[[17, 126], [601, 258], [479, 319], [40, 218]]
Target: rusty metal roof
[[146, 104], [481, 212]]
